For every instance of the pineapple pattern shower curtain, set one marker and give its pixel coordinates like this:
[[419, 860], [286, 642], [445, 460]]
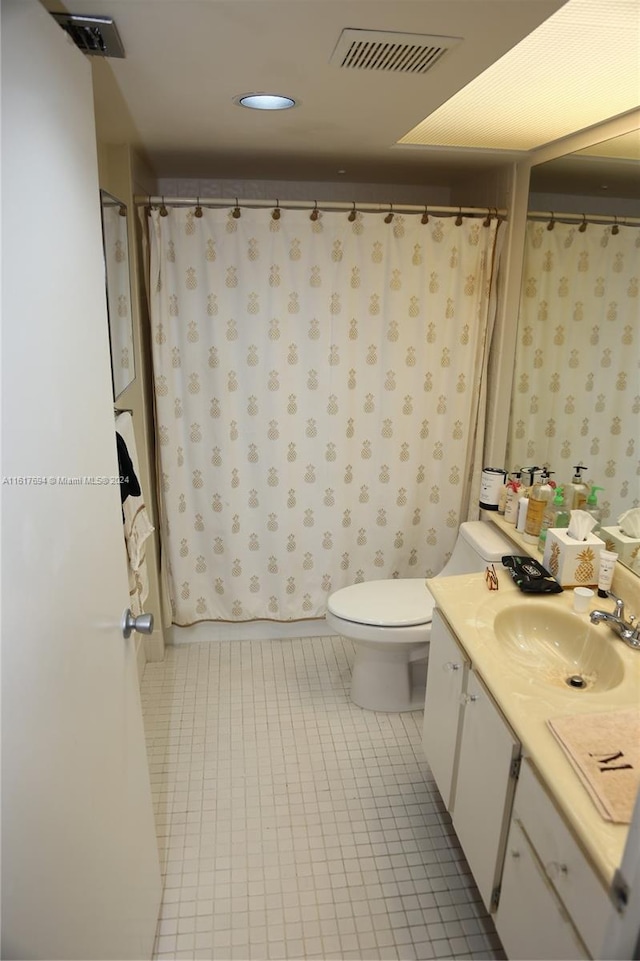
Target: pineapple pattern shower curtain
[[317, 390], [576, 395]]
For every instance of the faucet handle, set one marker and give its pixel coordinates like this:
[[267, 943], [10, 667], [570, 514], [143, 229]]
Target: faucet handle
[[619, 608]]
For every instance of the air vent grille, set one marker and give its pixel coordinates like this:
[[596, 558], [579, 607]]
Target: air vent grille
[[398, 52], [95, 36]]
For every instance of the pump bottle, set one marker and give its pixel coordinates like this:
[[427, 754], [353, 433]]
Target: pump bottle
[[577, 490], [591, 507], [541, 494], [556, 515]]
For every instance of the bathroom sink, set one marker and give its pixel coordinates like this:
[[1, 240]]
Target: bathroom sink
[[558, 647]]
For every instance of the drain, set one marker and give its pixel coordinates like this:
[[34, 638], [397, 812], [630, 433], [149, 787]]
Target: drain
[[576, 681]]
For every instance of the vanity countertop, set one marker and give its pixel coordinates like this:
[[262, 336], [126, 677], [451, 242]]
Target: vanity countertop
[[527, 702]]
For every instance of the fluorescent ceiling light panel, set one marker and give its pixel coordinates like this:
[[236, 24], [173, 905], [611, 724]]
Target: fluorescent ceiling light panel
[[546, 87]]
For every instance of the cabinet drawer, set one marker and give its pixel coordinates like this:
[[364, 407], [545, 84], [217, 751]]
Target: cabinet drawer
[[531, 921], [577, 884]]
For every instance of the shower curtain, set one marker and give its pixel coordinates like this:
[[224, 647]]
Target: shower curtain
[[318, 384], [576, 397]]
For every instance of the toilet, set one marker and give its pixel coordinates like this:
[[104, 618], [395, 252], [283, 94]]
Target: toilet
[[389, 622]]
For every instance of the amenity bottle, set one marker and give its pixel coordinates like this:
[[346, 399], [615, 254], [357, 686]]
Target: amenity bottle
[[541, 494]]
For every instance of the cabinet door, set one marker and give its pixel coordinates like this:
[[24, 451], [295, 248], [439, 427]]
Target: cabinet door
[[483, 794], [577, 885], [446, 676], [530, 920]]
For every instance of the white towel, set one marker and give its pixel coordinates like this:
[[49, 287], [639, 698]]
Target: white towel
[[137, 526]]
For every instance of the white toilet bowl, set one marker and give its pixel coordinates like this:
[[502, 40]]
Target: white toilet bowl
[[389, 622]]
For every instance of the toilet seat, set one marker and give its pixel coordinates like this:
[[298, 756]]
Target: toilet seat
[[404, 602]]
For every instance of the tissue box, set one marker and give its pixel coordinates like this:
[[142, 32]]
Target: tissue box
[[572, 563], [627, 548]]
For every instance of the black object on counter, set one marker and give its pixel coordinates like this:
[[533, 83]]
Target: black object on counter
[[530, 576]]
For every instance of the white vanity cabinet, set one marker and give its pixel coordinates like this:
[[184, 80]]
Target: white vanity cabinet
[[552, 904], [530, 919], [473, 755], [446, 681]]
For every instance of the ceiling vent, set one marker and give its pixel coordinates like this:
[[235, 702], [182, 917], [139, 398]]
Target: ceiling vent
[[96, 36], [382, 50]]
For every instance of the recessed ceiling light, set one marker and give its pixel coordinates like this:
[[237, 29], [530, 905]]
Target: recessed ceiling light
[[264, 101]]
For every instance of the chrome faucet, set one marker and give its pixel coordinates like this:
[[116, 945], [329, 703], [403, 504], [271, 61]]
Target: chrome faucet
[[626, 630]]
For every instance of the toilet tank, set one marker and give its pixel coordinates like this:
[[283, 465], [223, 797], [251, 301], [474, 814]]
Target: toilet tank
[[478, 544]]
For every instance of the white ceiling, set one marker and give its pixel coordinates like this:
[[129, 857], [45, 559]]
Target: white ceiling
[[186, 60]]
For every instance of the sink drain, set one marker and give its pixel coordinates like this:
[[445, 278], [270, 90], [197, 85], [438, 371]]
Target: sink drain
[[576, 681]]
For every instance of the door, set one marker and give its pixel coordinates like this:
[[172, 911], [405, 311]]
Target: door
[[530, 919], [80, 872], [446, 680], [485, 787]]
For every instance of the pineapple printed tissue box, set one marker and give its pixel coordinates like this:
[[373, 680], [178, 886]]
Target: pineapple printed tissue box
[[573, 563], [627, 548]]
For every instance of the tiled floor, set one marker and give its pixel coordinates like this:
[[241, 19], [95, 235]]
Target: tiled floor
[[293, 824]]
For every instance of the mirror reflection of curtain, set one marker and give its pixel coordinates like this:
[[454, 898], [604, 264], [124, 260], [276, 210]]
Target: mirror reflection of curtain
[[576, 390], [317, 390], [116, 253]]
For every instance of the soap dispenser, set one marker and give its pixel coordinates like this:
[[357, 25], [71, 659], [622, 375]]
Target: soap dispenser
[[591, 507], [541, 494], [556, 515], [578, 490]]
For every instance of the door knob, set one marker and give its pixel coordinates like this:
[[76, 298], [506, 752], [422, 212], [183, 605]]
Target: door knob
[[143, 623]]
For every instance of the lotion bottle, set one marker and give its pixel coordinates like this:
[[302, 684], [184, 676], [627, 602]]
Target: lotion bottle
[[513, 495], [523, 504], [578, 490], [541, 494]]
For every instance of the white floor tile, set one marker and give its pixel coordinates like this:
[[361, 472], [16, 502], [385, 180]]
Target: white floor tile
[[293, 824]]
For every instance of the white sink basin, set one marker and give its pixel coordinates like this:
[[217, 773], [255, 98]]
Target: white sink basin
[[558, 647]]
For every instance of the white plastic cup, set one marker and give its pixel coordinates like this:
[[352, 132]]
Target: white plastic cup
[[582, 599]]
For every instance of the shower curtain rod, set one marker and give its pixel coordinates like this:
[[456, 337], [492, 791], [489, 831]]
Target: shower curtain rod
[[434, 209], [612, 219]]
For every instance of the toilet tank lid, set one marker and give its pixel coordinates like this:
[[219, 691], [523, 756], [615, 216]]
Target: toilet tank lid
[[400, 602], [486, 540]]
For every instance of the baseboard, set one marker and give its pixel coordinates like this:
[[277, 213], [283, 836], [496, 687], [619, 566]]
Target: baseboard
[[247, 631]]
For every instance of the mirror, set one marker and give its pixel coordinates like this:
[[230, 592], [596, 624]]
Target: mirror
[[575, 397], [116, 262]]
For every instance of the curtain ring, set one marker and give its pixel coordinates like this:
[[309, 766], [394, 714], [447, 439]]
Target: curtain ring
[[389, 216], [583, 225], [235, 213], [551, 223], [615, 229], [352, 213], [315, 213], [163, 210], [275, 213], [425, 217], [459, 217], [148, 207], [487, 220], [198, 211]]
